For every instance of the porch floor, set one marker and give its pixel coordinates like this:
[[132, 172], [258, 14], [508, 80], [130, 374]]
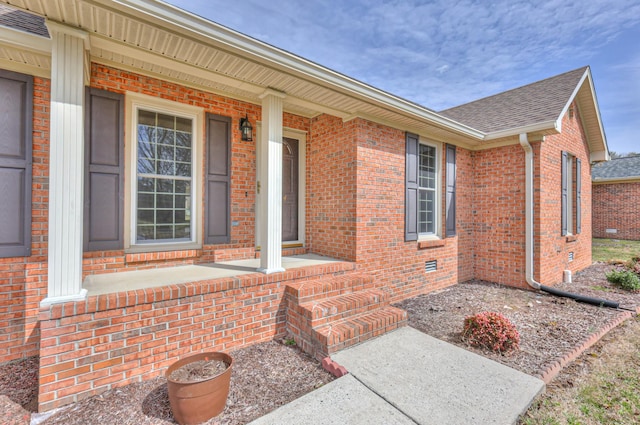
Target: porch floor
[[151, 278]]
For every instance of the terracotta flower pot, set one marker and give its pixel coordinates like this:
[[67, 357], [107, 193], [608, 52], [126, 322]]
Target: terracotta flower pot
[[196, 402]]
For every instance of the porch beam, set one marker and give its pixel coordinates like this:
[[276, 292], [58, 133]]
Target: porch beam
[[271, 182], [69, 48]]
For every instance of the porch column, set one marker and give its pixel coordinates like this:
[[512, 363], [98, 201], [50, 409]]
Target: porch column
[[271, 178], [66, 169]]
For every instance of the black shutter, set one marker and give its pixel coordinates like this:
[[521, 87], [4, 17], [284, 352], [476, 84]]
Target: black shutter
[[217, 214], [565, 214], [411, 185], [16, 114], [451, 191], [104, 171], [578, 196]]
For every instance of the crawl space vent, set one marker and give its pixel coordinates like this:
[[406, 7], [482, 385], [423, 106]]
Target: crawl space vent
[[571, 256], [430, 266]]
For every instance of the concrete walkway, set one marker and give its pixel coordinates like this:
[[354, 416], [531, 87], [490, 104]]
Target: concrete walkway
[[408, 377]]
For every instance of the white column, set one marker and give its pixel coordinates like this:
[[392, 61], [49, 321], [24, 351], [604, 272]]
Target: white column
[[271, 182], [66, 169]]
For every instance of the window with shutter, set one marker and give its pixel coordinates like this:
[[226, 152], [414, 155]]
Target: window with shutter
[[571, 194], [422, 188], [16, 112]]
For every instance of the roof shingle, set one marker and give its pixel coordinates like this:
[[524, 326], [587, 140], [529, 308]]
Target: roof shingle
[[617, 168], [539, 102]]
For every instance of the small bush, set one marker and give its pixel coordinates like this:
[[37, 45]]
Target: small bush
[[491, 330], [624, 279]]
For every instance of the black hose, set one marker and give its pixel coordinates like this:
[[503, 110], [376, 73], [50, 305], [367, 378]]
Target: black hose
[[580, 298]]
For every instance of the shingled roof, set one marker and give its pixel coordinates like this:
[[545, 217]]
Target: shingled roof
[[619, 168], [535, 103], [23, 21]]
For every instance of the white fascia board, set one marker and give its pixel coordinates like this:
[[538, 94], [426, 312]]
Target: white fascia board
[[612, 180], [24, 40], [546, 125], [267, 54], [599, 156]]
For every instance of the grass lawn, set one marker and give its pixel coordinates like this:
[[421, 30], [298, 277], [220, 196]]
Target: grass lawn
[[613, 249], [608, 389], [608, 394]]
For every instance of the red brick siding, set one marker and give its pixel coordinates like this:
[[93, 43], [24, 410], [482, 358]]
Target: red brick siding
[[615, 206], [243, 173], [552, 254], [499, 215], [23, 280], [398, 266], [331, 187], [111, 340]]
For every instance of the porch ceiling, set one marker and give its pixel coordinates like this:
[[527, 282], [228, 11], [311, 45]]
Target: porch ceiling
[[155, 38]]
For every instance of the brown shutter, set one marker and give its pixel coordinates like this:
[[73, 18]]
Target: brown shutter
[[564, 199], [578, 196], [16, 114], [450, 201], [411, 186], [218, 179], [104, 171]]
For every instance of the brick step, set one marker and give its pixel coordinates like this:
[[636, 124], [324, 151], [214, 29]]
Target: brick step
[[338, 335], [332, 309], [329, 286]]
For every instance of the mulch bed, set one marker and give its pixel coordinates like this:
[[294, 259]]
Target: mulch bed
[[268, 375]]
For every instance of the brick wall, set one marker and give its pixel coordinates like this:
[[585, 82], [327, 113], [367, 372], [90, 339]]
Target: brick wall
[[615, 206], [552, 253], [499, 215], [112, 340], [243, 173], [23, 280], [331, 187], [398, 266]]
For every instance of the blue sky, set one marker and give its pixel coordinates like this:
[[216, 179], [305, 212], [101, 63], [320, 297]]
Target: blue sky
[[444, 53]]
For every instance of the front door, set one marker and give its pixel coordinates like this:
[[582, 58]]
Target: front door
[[290, 153]]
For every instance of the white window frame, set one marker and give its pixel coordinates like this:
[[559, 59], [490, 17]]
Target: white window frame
[[134, 103], [438, 192]]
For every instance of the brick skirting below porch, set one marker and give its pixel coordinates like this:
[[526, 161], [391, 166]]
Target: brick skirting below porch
[[110, 340]]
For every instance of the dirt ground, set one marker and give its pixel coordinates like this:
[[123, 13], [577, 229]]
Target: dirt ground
[[268, 375]]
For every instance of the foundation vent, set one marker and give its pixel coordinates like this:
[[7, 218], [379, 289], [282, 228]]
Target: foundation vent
[[571, 256], [430, 266]]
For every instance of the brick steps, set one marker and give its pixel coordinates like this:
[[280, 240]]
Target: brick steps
[[335, 308], [328, 314], [336, 336], [330, 286]]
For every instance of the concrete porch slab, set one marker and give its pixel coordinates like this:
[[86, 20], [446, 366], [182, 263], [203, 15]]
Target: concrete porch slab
[[152, 278]]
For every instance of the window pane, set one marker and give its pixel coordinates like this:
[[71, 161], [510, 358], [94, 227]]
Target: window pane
[[427, 182], [164, 152]]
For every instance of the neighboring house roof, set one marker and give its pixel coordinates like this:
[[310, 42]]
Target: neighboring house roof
[[627, 168], [167, 42], [23, 21]]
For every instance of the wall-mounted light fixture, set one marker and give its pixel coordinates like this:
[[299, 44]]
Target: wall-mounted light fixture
[[246, 129]]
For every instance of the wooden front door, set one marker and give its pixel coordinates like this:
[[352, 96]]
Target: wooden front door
[[290, 152]]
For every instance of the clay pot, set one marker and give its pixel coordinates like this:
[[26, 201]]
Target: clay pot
[[196, 402]]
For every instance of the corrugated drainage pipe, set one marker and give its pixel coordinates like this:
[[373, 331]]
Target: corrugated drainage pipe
[[528, 169]]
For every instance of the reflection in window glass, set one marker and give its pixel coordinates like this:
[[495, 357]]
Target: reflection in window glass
[[164, 175], [427, 189]]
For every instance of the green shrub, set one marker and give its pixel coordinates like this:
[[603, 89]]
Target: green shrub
[[624, 279], [492, 331]]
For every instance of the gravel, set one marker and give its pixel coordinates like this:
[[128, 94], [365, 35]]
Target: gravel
[[268, 375]]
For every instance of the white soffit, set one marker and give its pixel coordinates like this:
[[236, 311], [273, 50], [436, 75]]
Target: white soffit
[[134, 32]]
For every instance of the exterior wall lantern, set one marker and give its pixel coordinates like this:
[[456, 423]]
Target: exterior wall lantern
[[246, 129]]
